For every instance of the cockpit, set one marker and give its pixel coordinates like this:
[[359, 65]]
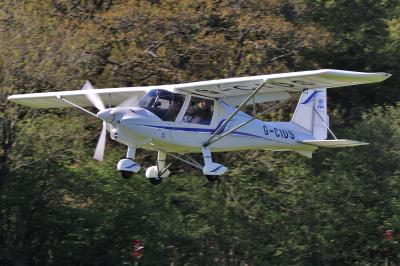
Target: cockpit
[[164, 104], [168, 107]]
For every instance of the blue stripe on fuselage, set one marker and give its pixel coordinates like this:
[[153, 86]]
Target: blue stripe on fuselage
[[205, 130], [183, 128], [220, 130]]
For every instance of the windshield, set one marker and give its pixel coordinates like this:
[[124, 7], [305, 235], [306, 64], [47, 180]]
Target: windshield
[[164, 104]]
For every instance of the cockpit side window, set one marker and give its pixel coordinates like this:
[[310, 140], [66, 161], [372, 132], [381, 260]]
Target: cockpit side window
[[200, 111], [164, 104]]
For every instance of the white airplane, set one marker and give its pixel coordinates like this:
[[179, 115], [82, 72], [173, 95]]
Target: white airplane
[[205, 117]]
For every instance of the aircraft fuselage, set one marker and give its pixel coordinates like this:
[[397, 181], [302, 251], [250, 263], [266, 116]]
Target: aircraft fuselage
[[146, 131]]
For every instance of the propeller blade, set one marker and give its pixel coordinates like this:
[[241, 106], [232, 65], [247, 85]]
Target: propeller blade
[[92, 97], [101, 144], [126, 104], [130, 102], [109, 127]]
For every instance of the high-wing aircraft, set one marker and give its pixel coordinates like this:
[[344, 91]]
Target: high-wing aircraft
[[205, 117]]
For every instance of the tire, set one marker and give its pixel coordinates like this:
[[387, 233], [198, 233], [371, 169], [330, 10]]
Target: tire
[[155, 180], [126, 174], [212, 178]]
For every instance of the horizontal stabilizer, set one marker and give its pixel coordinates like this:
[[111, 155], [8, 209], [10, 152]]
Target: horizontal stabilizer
[[334, 143]]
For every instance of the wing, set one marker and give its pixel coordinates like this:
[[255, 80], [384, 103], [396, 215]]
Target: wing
[[278, 85], [49, 99]]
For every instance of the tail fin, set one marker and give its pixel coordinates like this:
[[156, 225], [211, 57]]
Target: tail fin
[[311, 113]]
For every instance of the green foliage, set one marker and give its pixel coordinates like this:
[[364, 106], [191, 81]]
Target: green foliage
[[59, 207], [363, 38]]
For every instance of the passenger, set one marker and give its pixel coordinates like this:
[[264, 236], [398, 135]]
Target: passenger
[[199, 111], [202, 113]]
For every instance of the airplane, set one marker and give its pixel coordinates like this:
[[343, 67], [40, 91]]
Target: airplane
[[205, 117]]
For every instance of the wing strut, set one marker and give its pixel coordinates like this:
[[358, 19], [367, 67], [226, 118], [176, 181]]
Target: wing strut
[[270, 109], [208, 142], [191, 162], [75, 105]]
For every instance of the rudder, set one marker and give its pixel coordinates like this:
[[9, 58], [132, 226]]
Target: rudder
[[311, 113]]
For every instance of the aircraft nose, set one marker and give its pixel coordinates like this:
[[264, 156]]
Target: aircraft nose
[[105, 115]]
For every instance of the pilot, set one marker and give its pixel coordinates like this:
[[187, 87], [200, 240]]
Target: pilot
[[174, 109]]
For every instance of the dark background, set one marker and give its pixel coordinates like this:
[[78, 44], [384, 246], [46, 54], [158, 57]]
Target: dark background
[[60, 207]]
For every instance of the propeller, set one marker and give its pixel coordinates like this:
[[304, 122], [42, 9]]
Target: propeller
[[98, 103], [125, 104]]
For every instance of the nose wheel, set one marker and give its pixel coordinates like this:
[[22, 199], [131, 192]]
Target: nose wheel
[[155, 176]]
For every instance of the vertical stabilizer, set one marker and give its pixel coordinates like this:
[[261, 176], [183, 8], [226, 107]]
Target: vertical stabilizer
[[311, 113]]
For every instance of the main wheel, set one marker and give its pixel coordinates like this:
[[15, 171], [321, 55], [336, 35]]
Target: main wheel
[[126, 174], [155, 180], [212, 178]]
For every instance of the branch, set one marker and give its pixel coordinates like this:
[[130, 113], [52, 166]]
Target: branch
[[43, 159], [151, 50]]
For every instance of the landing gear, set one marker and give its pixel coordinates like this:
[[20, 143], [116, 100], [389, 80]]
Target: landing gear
[[156, 173], [212, 170], [127, 167], [153, 175]]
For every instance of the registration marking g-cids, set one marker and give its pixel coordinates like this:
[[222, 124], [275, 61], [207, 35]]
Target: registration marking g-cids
[[279, 133]]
